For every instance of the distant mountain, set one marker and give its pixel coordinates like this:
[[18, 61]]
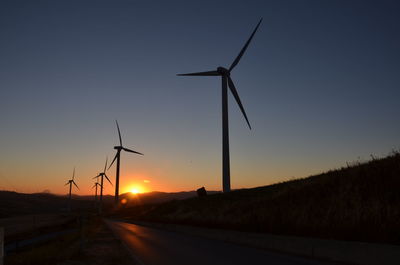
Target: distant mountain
[[13, 203], [156, 197]]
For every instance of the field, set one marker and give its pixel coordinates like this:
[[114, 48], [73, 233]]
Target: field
[[358, 202]]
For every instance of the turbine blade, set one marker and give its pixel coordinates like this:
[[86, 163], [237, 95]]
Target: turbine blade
[[108, 179], [96, 176], [236, 96], [209, 73], [115, 157], [236, 61], [94, 185], [66, 183], [73, 173], [75, 185], [105, 166], [129, 150], [119, 133]]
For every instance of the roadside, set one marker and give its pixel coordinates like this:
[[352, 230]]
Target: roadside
[[29, 226], [102, 249], [94, 244]]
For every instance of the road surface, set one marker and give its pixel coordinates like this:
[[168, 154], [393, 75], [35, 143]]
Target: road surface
[[151, 246]]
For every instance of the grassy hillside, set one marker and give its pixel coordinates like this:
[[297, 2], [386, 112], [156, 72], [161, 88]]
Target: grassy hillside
[[357, 202]]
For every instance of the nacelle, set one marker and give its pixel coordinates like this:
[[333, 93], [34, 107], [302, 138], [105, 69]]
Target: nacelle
[[223, 70]]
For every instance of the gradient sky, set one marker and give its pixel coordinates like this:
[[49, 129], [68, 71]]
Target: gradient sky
[[319, 82]]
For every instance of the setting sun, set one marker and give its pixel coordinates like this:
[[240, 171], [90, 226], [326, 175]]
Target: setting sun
[[135, 191]]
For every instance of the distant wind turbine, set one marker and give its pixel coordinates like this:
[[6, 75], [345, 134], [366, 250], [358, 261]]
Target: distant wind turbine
[[96, 184], [226, 80], [118, 158], [102, 175], [70, 182]]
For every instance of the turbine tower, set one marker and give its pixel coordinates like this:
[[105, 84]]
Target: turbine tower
[[95, 193], [118, 158], [70, 182], [227, 81], [102, 175]]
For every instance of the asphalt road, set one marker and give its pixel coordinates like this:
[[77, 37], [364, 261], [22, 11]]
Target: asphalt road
[[152, 246]]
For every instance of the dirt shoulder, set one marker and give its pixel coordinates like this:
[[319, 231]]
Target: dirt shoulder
[[103, 249]]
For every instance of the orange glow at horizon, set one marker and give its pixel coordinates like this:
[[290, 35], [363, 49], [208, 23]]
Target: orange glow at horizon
[[135, 190], [135, 183]]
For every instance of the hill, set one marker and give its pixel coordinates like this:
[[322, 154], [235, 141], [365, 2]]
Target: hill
[[156, 197], [358, 202], [14, 203]]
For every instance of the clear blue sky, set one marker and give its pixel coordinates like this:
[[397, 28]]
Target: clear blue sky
[[319, 82]]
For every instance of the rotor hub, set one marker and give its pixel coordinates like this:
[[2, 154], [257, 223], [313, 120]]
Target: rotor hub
[[223, 71]]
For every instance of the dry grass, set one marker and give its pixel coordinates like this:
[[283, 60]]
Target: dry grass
[[357, 202]]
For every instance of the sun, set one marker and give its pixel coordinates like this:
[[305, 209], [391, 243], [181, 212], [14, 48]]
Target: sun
[[135, 190]]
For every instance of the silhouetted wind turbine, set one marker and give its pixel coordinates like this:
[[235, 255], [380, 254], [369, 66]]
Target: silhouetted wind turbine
[[118, 158], [102, 175], [95, 193], [70, 182], [226, 80]]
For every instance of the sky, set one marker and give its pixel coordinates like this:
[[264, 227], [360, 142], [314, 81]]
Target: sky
[[319, 82]]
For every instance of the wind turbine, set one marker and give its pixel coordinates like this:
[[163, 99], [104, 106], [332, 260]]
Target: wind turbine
[[95, 193], [227, 81], [118, 158], [102, 175], [70, 182]]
